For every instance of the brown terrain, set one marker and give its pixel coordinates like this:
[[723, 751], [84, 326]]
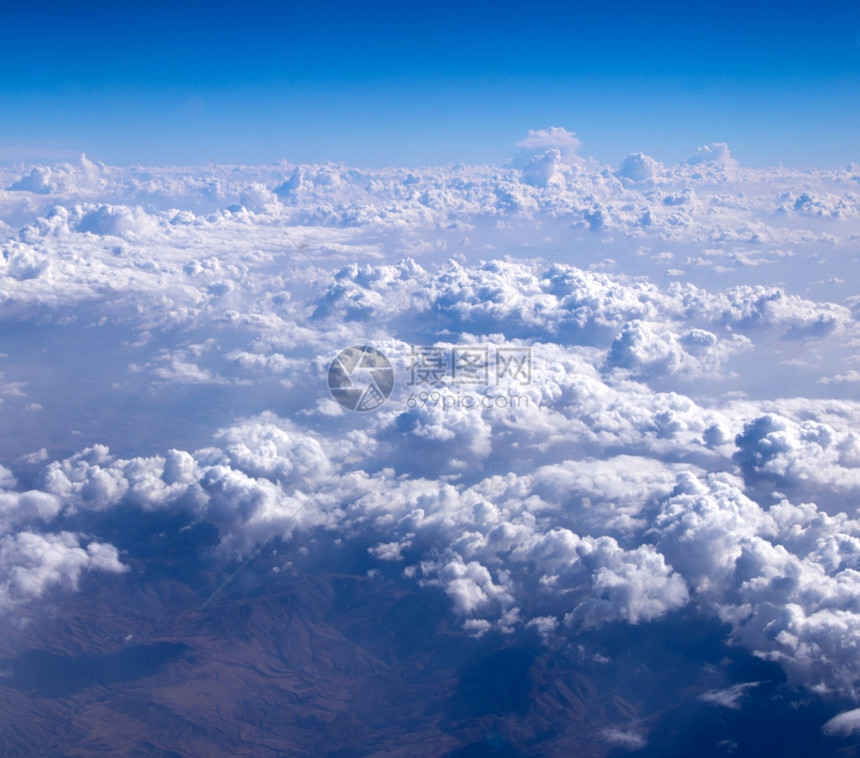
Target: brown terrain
[[318, 665], [312, 657]]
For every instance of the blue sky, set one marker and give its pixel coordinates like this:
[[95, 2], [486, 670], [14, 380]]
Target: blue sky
[[379, 83]]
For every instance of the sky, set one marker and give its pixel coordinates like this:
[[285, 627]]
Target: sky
[[382, 83]]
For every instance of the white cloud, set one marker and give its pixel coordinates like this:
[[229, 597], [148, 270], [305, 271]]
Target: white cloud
[[649, 487], [717, 153], [118, 221], [843, 725], [639, 167], [808, 455], [697, 352], [545, 169], [37, 180], [30, 563], [25, 507], [728, 698], [625, 739], [540, 141], [850, 376]]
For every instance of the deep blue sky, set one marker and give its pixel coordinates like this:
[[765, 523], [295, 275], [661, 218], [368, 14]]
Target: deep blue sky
[[380, 83]]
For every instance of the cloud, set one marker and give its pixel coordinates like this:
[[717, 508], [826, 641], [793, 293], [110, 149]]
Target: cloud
[[258, 197], [21, 263], [827, 205], [843, 725], [639, 167], [717, 153], [747, 308], [808, 455], [118, 221], [27, 507], [31, 564], [702, 526], [38, 180], [850, 376], [697, 352], [653, 468], [273, 450], [545, 169], [728, 698], [541, 141], [577, 545], [625, 739], [61, 178]]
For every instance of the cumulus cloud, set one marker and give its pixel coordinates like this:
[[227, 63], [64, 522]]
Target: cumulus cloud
[[545, 169], [808, 455], [636, 481], [696, 352], [850, 376], [25, 507], [31, 564], [118, 221], [639, 167], [625, 541], [61, 178], [21, 263], [827, 205], [554, 138], [717, 153], [38, 180]]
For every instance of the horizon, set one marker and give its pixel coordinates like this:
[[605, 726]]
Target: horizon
[[516, 160]]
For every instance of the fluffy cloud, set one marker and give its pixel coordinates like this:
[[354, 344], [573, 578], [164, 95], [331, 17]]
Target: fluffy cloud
[[38, 180], [717, 153], [810, 456], [116, 221], [696, 352], [633, 477], [31, 564], [554, 138], [25, 507], [546, 169], [61, 179], [575, 546], [639, 167]]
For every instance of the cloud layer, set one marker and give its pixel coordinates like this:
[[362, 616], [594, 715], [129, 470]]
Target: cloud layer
[[683, 439]]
